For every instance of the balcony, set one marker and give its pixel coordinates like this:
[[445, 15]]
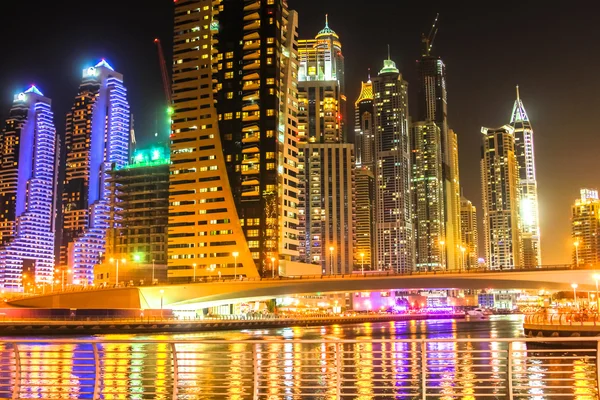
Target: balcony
[[252, 16]]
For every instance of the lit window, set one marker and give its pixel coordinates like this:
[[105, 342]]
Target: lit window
[[229, 75], [230, 95]]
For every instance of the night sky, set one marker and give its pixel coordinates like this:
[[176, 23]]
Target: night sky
[[550, 50]]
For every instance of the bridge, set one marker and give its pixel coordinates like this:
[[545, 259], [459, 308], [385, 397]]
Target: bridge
[[217, 292]]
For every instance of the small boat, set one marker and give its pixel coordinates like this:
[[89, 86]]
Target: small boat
[[476, 313]]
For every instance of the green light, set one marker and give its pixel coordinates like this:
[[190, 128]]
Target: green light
[[170, 110], [137, 257]]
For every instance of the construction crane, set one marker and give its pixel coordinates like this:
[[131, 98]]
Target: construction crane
[[427, 42], [163, 70]]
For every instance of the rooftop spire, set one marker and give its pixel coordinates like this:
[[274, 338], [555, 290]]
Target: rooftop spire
[[518, 114], [389, 54], [389, 65], [369, 74], [326, 20]]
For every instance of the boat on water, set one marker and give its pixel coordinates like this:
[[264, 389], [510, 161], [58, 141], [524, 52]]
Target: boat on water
[[478, 313]]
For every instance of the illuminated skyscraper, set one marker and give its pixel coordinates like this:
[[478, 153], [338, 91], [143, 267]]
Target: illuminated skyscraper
[[500, 192], [428, 200], [97, 140], [528, 184], [327, 206], [468, 220], [28, 181], [364, 139], [321, 96], [234, 165], [364, 131], [393, 208], [139, 210], [433, 106], [585, 228]]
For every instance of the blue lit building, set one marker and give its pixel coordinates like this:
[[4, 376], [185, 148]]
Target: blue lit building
[[28, 178], [97, 141]]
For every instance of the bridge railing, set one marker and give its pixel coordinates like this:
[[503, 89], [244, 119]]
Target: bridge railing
[[300, 369]]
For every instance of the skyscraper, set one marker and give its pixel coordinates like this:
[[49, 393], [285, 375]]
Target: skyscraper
[[585, 228], [364, 131], [28, 181], [500, 192], [528, 201], [364, 139], [234, 165], [327, 206], [139, 210], [452, 202], [428, 200], [433, 106], [393, 208], [468, 220], [97, 140], [321, 90]]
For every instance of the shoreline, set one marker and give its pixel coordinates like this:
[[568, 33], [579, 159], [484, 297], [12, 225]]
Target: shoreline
[[154, 325]]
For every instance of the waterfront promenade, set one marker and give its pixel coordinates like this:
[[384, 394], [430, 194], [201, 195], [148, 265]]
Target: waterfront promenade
[[157, 324]]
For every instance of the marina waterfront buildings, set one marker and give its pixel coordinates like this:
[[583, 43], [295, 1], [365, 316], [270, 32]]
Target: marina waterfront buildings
[[528, 200], [468, 224], [500, 195], [234, 153], [97, 140], [394, 239], [28, 192], [585, 228]]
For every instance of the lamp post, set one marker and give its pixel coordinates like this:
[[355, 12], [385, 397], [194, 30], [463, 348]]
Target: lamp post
[[462, 264], [574, 286], [597, 278], [153, 260], [443, 243], [162, 292], [116, 262], [331, 249], [273, 267], [362, 263], [63, 278], [576, 244], [235, 255], [194, 265]]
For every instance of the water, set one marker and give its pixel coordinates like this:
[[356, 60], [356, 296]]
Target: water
[[370, 370]]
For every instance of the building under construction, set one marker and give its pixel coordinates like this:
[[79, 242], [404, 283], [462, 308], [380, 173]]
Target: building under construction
[[137, 236]]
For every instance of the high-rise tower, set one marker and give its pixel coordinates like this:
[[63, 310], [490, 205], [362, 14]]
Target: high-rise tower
[[528, 184], [468, 220], [321, 90], [393, 208], [428, 200], [364, 139], [585, 228], [97, 140], [28, 181], [500, 193], [433, 106], [234, 183]]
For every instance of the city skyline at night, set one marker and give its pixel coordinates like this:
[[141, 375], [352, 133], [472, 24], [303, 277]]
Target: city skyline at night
[[557, 182]]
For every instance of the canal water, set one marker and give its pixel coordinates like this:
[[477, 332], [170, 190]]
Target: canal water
[[371, 369]]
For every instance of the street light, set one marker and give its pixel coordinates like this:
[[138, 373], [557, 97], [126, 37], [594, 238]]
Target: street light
[[574, 286], [194, 265], [443, 243], [576, 244], [362, 263], [273, 267], [153, 260], [331, 249], [63, 278], [597, 278], [162, 292], [116, 262], [235, 255]]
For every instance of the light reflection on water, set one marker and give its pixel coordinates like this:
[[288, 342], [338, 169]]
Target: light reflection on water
[[371, 369]]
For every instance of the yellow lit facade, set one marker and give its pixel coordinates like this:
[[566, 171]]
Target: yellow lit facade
[[585, 228]]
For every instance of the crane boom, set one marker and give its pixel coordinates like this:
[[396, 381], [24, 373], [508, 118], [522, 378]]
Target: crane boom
[[163, 70]]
